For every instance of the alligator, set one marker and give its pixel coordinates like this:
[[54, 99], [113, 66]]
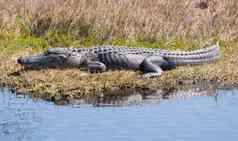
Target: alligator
[[151, 61]]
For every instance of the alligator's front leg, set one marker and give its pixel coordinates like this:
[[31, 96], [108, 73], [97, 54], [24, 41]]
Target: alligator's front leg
[[96, 66]]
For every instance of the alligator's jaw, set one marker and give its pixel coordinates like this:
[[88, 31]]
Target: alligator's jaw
[[42, 61]]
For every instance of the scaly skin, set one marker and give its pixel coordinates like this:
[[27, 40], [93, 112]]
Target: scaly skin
[[152, 62]]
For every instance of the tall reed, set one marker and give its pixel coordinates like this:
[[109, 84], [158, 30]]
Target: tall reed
[[129, 19]]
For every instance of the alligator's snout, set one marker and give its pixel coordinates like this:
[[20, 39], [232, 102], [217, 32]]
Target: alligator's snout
[[20, 60], [29, 60], [43, 60], [24, 61]]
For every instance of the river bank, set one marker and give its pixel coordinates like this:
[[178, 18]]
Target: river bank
[[55, 84]]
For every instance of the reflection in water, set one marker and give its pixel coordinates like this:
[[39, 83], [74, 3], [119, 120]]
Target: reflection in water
[[204, 114], [135, 98]]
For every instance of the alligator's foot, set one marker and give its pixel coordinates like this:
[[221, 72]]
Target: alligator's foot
[[152, 75], [151, 66]]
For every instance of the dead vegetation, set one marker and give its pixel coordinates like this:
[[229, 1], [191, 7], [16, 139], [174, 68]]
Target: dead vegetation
[[133, 19]]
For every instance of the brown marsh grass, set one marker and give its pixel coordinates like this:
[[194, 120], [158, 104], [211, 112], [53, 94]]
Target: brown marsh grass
[[130, 19]]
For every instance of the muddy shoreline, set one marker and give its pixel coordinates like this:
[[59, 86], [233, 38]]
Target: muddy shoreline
[[56, 84]]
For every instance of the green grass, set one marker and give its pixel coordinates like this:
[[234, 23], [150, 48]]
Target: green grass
[[11, 42]]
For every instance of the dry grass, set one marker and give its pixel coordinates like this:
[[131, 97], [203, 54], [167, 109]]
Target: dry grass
[[130, 19], [54, 84]]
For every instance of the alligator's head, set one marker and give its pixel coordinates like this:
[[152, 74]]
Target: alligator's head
[[52, 58]]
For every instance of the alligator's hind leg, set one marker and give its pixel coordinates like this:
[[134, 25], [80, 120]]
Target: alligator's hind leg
[[96, 66], [151, 66]]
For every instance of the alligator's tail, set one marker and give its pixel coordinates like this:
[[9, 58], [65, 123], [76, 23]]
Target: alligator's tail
[[200, 56]]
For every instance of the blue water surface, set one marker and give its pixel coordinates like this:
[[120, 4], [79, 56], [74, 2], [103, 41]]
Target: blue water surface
[[201, 118]]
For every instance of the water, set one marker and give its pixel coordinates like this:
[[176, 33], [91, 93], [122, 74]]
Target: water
[[205, 115]]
